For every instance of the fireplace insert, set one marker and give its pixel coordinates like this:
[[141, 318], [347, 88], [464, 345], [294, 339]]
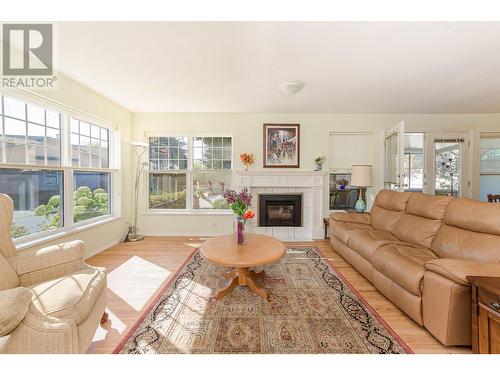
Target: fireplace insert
[[280, 210]]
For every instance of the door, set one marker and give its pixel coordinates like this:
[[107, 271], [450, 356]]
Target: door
[[448, 164], [394, 148]]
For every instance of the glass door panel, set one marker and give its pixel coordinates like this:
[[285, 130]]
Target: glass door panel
[[447, 164], [447, 168]]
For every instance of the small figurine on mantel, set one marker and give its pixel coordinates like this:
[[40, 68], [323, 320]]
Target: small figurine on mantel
[[319, 162]]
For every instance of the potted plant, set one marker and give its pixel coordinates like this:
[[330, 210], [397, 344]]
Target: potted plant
[[319, 162]]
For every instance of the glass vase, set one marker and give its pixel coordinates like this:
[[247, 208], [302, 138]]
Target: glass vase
[[239, 229]]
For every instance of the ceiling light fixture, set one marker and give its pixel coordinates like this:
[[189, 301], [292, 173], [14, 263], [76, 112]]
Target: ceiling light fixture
[[291, 88]]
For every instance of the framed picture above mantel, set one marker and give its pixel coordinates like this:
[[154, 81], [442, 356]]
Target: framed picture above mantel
[[281, 146]]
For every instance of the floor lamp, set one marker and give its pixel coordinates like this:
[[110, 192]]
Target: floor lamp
[[140, 148]]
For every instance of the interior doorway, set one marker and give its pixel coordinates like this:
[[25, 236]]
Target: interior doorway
[[435, 163]]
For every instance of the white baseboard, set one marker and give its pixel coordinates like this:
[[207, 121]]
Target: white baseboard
[[191, 234], [100, 249]]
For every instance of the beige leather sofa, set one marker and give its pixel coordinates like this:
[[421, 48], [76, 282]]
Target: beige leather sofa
[[51, 301], [417, 250]]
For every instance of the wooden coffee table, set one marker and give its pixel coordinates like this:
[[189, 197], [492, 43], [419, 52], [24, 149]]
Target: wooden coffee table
[[259, 250]]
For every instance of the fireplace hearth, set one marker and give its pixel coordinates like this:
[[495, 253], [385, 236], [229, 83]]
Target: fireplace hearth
[[280, 210]]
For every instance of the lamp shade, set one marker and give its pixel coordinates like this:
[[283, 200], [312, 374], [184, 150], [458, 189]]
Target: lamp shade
[[361, 175]]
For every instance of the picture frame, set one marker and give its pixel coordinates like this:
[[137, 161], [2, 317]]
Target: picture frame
[[281, 146]]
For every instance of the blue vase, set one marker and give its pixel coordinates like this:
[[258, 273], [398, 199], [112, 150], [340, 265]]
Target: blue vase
[[360, 205]]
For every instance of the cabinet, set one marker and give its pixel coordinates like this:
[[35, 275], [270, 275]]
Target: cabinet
[[485, 314]]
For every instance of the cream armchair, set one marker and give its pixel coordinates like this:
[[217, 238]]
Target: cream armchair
[[51, 301]]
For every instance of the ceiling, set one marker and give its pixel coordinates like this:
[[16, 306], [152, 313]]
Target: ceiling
[[239, 66]]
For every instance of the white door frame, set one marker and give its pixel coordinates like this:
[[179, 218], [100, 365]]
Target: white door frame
[[399, 130]]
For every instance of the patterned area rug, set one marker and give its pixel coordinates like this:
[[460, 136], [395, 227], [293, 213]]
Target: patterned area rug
[[312, 309]]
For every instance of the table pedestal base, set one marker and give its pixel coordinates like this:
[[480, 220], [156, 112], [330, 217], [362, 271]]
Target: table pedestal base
[[242, 276]]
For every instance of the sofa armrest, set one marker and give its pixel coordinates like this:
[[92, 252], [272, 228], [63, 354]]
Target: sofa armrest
[[350, 217], [50, 257], [457, 270]]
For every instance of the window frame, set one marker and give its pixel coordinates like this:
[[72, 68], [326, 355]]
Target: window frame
[[114, 167], [189, 172], [487, 135]]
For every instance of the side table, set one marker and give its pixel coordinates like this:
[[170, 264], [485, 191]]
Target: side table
[[485, 314]]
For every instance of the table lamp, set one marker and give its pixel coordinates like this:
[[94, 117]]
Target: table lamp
[[361, 176]]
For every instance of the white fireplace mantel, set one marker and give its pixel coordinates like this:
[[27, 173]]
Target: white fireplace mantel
[[308, 183]]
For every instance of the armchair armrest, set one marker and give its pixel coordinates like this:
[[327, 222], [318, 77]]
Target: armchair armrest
[[349, 217], [14, 304], [457, 270], [46, 257], [42, 334], [49, 262]]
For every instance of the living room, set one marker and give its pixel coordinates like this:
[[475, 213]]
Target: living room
[[259, 186]]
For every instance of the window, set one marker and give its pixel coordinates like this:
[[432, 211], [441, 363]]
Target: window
[[189, 172], [38, 199], [490, 165], [212, 153], [89, 145], [37, 175], [91, 197], [167, 191], [31, 134], [168, 153]]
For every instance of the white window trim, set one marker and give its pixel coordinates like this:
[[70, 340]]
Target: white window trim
[[114, 169], [189, 210]]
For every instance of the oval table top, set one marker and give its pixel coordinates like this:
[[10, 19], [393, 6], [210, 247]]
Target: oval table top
[[259, 250]]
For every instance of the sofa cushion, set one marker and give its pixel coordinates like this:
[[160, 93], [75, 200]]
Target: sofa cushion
[[457, 270], [342, 230], [366, 242], [403, 264], [458, 243], [72, 296], [473, 215], [422, 219], [388, 209], [14, 304], [429, 206], [8, 277], [417, 230], [471, 231]]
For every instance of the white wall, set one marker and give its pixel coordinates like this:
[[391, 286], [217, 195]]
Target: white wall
[[247, 137], [74, 95]]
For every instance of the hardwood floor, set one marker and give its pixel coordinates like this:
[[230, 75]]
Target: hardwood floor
[[137, 270]]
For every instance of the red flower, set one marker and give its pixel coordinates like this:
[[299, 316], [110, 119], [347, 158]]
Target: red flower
[[249, 215]]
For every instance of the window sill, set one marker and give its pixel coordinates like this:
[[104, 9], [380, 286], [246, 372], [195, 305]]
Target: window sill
[[188, 213], [26, 244]]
